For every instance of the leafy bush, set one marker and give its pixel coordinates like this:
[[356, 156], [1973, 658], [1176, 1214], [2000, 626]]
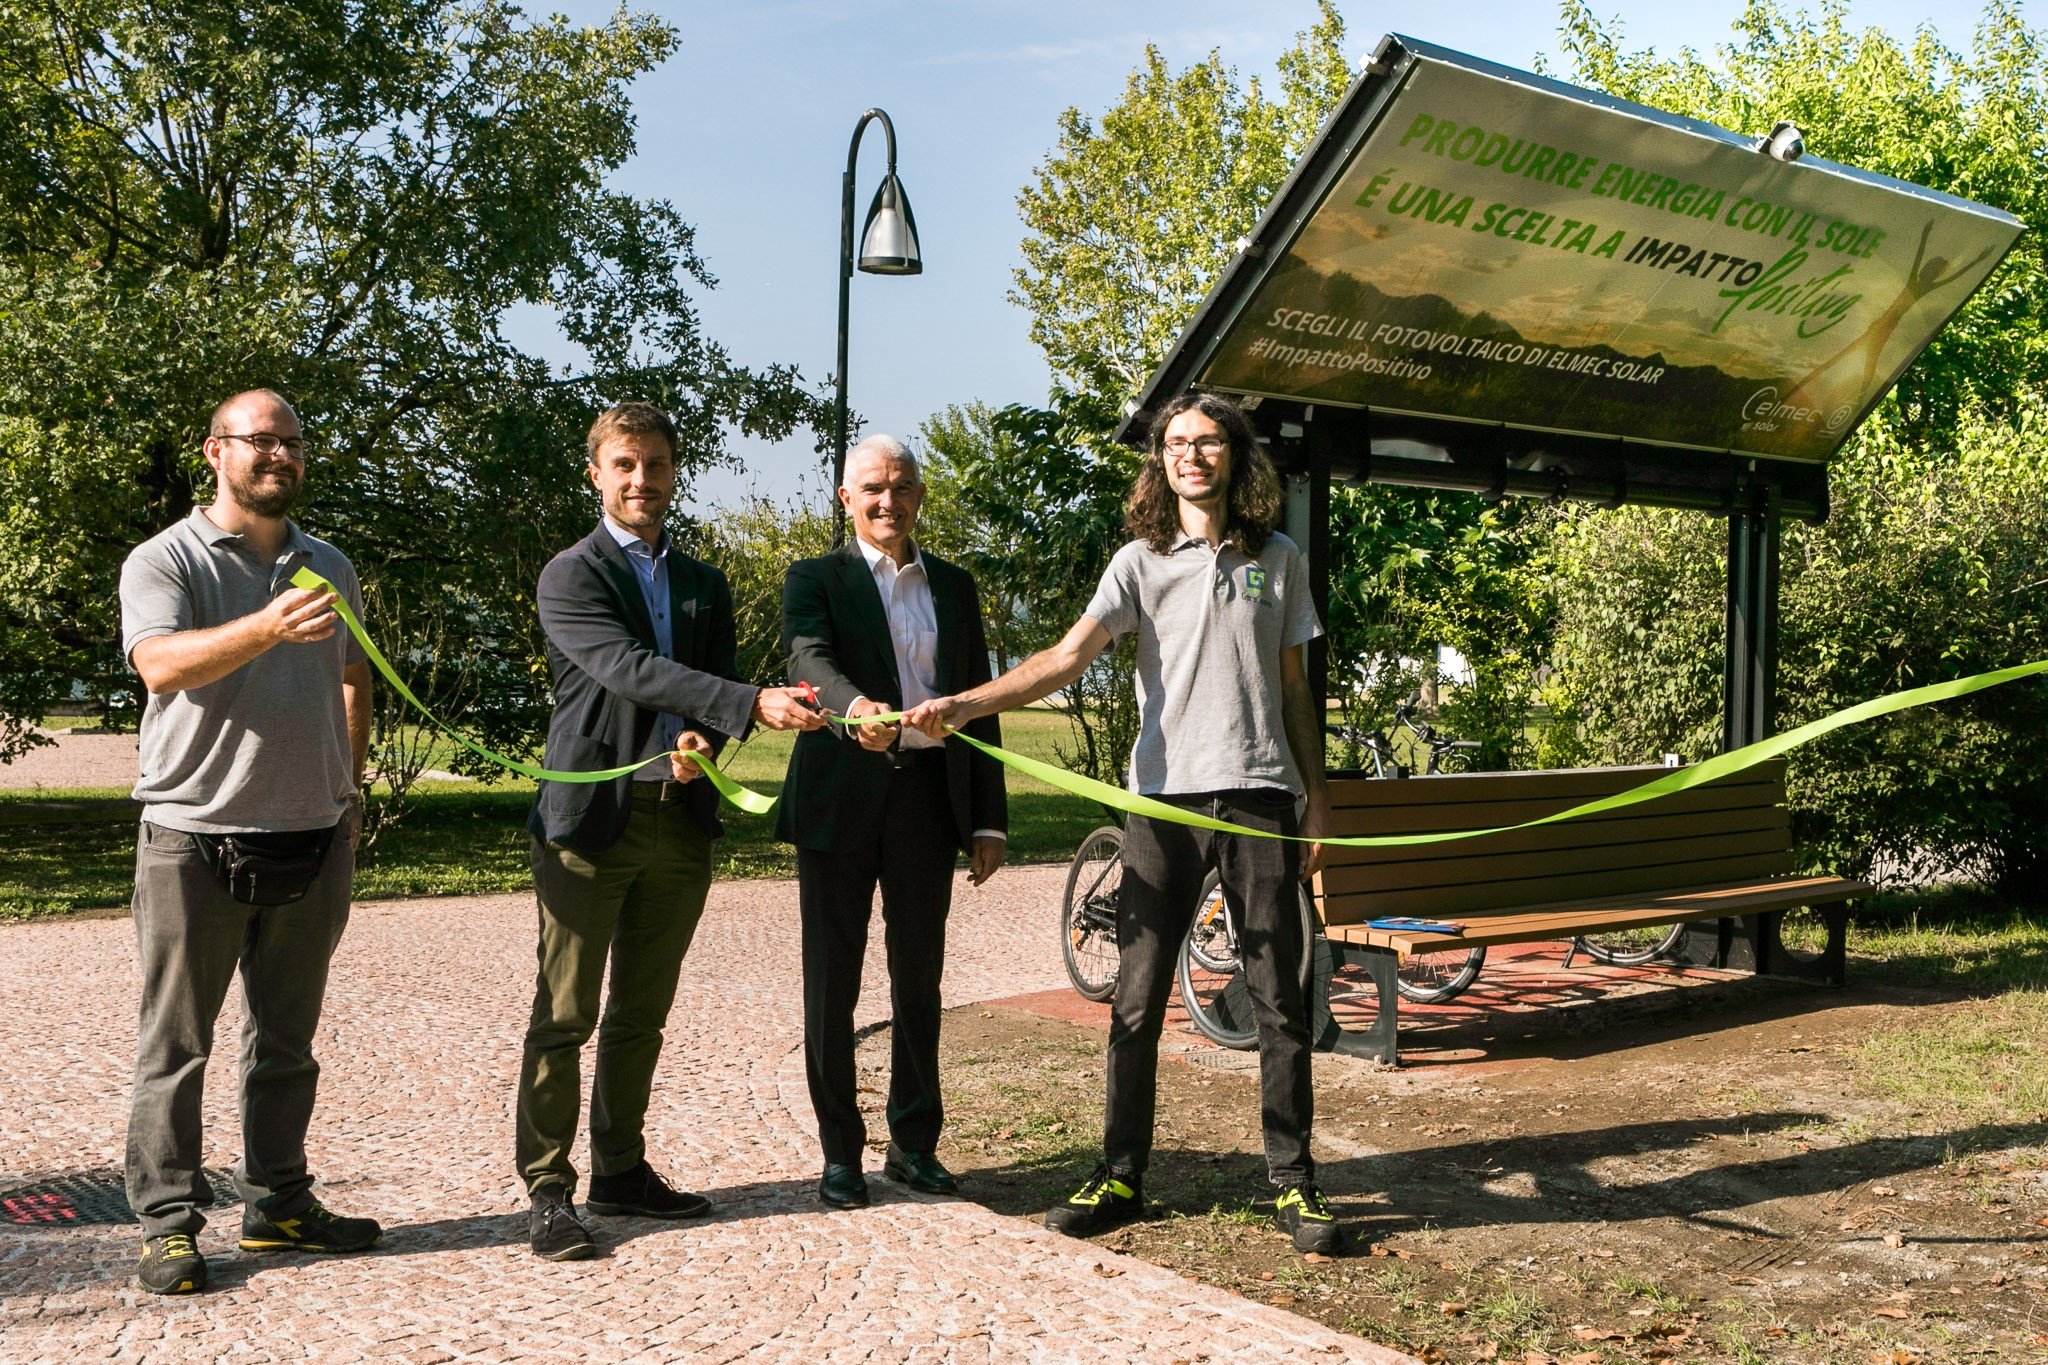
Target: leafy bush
[[1933, 565]]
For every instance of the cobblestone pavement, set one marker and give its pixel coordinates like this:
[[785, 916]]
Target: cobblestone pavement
[[421, 1045]]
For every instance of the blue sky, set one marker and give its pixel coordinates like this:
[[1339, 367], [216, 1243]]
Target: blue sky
[[745, 130]]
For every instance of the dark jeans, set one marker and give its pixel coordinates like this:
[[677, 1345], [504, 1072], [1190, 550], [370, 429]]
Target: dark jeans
[[912, 863], [1164, 867], [636, 904], [190, 936]]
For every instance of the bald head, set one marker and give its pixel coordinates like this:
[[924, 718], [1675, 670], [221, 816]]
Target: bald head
[[250, 410]]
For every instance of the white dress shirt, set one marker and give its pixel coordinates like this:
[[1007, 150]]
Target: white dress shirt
[[914, 632]]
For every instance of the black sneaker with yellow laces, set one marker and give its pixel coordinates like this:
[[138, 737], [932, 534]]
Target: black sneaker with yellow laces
[[1107, 1200], [1303, 1213], [171, 1264], [312, 1228]]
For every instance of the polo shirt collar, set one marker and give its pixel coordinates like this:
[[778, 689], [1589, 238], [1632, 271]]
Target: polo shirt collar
[[296, 541]]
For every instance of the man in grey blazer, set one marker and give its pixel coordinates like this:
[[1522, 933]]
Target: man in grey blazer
[[641, 645]]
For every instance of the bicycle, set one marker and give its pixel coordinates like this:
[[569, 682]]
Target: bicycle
[[1211, 975], [1088, 913], [1425, 978]]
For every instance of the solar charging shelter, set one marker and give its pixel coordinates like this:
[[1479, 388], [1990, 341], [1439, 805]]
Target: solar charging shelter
[[1485, 280]]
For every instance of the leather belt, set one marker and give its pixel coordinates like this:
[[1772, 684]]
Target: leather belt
[[665, 790], [917, 758]]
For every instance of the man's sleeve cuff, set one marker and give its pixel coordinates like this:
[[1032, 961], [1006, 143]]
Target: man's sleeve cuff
[[992, 834]]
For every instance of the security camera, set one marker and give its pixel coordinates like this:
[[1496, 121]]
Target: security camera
[[1783, 143]]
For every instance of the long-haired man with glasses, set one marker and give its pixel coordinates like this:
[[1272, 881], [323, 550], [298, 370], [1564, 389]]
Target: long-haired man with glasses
[[1220, 605], [253, 742]]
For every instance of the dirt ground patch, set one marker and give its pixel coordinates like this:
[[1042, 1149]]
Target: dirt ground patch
[[1715, 1175]]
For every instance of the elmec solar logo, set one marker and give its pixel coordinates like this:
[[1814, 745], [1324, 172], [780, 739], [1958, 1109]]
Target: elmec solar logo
[[1763, 411]]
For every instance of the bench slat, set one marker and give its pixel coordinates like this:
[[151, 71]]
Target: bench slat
[[1430, 817], [1594, 831], [1445, 902], [1493, 869], [1563, 920], [1566, 786]]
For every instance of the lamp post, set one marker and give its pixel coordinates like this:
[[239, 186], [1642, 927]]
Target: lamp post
[[888, 246]]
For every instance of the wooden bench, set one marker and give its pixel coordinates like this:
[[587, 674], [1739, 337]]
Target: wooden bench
[[1720, 852]]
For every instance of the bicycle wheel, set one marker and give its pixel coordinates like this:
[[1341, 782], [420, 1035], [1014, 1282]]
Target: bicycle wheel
[[1458, 756], [1088, 914], [1212, 984], [1432, 978], [1631, 947]]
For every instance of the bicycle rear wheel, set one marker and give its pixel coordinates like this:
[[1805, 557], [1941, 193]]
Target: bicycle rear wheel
[[1631, 947], [1088, 914], [1212, 984], [1432, 978]]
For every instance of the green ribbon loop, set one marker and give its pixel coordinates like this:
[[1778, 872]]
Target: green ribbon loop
[[753, 802], [1116, 798], [1685, 779]]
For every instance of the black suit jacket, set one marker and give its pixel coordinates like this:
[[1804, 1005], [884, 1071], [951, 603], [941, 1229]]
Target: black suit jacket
[[611, 685], [836, 633]]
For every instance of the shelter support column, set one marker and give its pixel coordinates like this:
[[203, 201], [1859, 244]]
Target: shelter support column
[[1749, 675]]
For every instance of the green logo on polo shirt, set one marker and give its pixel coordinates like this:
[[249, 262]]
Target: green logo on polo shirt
[[1254, 581]]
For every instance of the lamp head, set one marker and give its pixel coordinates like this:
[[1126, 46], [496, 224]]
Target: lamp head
[[888, 242]]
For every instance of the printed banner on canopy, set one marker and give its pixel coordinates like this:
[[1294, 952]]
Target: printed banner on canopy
[[1500, 250]]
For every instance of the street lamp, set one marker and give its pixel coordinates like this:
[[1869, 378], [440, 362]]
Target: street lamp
[[888, 246]]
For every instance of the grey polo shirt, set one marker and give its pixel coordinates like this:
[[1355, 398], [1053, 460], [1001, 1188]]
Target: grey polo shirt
[[1210, 624], [266, 747]]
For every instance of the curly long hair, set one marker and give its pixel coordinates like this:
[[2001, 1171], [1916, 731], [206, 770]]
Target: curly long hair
[[1152, 512]]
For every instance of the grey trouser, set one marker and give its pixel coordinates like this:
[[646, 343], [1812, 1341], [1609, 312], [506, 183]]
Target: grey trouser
[[191, 935], [637, 903], [1164, 867]]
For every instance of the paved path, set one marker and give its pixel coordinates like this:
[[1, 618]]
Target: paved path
[[420, 1045]]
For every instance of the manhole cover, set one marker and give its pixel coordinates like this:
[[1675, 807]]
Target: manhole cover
[[86, 1197]]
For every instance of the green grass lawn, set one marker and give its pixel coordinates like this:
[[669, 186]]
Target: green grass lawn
[[467, 837]]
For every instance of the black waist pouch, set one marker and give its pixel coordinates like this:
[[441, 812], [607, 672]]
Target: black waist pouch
[[267, 869]]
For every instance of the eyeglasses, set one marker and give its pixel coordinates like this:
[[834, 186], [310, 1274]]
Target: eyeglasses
[[269, 443], [1211, 446]]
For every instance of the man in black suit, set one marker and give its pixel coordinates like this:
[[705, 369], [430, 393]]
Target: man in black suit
[[641, 643], [877, 626]]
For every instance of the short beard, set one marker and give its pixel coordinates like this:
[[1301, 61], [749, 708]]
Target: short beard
[[259, 501]]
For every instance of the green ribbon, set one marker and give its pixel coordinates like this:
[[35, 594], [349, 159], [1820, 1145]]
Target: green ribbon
[[745, 798], [1116, 798], [1685, 779]]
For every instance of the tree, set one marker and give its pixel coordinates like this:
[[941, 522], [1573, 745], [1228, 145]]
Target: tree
[[1131, 217], [345, 200], [1972, 124]]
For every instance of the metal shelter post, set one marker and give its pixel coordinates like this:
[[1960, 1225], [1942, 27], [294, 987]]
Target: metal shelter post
[[1749, 672]]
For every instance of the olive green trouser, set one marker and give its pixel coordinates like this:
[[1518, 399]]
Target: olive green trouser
[[637, 903]]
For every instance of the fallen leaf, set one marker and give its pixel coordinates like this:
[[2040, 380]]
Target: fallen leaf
[[1585, 1333], [1450, 1308], [1532, 1356], [1403, 1254], [1430, 1355], [1265, 1274], [1744, 1279], [1897, 1314], [1642, 1312], [1487, 1350], [1894, 1239], [1317, 1258], [1107, 1272], [1582, 1358], [1776, 1331], [1379, 1249], [1883, 1191]]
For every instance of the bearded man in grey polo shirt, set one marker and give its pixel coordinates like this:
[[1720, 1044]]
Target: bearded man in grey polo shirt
[[253, 743], [1220, 604]]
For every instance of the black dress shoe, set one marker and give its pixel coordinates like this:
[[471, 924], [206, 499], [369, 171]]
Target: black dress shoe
[[843, 1187], [920, 1171], [556, 1233], [641, 1192]]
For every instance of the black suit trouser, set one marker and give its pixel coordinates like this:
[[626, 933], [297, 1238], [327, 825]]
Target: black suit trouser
[[912, 862]]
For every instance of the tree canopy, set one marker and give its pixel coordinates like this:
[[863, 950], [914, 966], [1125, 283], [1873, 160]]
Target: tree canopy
[[352, 201]]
